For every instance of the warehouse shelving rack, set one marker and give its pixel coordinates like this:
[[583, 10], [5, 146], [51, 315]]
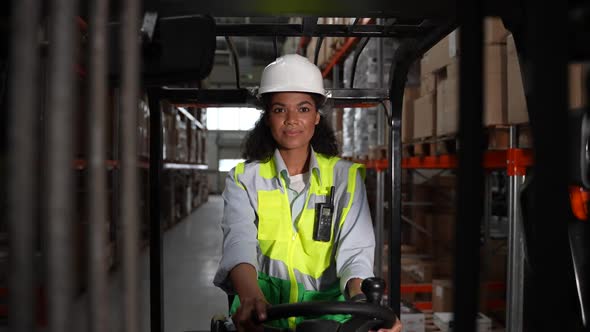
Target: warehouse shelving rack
[[418, 24]]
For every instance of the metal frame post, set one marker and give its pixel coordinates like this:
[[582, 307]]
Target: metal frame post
[[402, 60], [471, 174], [97, 173], [129, 172], [487, 215], [551, 280], [380, 185], [156, 254], [515, 271], [60, 103], [379, 223], [22, 185]]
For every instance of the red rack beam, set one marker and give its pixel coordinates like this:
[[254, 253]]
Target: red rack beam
[[514, 160], [415, 288]]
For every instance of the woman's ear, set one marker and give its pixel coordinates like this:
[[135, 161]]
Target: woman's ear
[[317, 117]]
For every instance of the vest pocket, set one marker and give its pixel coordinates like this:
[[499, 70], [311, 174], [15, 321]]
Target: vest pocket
[[273, 216]]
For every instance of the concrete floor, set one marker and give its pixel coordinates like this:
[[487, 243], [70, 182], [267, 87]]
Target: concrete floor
[[191, 250]]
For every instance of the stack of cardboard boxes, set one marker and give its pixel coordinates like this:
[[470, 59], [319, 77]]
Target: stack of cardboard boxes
[[436, 108], [517, 107], [432, 111]]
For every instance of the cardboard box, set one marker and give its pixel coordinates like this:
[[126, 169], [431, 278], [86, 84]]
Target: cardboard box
[[494, 31], [517, 108], [440, 54], [495, 85], [182, 154], [193, 143], [444, 321], [442, 295], [577, 85], [410, 95], [425, 116], [447, 99], [324, 53], [427, 84], [168, 133], [419, 270], [336, 119], [447, 107], [412, 319]]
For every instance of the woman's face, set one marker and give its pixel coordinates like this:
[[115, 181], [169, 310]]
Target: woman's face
[[292, 117]]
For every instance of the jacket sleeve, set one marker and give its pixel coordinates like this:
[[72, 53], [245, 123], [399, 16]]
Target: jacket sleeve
[[239, 232], [356, 241]]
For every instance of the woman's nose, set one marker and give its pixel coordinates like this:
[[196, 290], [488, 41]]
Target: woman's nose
[[291, 117]]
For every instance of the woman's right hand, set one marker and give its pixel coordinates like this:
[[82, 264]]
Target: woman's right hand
[[250, 315]]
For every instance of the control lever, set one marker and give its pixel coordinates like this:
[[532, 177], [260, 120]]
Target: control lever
[[373, 288]]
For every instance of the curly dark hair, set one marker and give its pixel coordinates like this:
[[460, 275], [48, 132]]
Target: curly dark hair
[[259, 144]]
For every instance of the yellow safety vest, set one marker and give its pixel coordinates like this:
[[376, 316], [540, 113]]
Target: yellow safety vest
[[291, 262]]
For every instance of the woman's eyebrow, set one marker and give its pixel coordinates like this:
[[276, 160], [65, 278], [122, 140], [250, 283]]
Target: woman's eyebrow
[[304, 102], [277, 104]]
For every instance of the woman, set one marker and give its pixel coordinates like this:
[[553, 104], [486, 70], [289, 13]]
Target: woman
[[276, 249]]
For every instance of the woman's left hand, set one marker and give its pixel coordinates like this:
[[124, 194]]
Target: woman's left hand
[[397, 327]]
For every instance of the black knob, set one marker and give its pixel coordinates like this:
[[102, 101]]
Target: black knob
[[373, 289]]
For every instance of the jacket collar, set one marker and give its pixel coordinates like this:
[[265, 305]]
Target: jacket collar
[[282, 170]]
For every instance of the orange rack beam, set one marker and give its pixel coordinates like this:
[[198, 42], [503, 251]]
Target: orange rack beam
[[514, 160], [492, 304]]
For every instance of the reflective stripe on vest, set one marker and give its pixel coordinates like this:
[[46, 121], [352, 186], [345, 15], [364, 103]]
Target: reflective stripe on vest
[[296, 250]]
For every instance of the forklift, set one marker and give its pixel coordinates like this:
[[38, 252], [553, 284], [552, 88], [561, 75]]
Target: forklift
[[554, 288]]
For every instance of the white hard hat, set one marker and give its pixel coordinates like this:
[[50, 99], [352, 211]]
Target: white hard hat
[[291, 73]]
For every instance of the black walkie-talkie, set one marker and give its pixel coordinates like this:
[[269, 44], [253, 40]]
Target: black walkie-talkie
[[322, 230]]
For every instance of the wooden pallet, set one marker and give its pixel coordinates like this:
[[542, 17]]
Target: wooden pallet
[[448, 144], [420, 147], [494, 138], [431, 146], [429, 322], [498, 137]]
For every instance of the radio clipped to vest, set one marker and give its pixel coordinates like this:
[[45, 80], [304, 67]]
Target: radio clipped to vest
[[322, 230]]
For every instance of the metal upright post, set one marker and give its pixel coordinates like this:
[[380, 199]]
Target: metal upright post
[[550, 290], [129, 174], [97, 174], [470, 176], [380, 185], [156, 256], [60, 154], [515, 273], [379, 224], [21, 180], [403, 57], [487, 215]]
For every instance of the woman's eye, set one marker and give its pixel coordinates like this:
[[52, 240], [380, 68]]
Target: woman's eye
[[278, 110], [304, 109]]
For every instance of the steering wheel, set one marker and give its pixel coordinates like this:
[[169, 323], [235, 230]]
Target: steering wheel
[[365, 316]]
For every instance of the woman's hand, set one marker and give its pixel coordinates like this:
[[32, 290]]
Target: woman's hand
[[252, 301], [250, 314], [397, 327]]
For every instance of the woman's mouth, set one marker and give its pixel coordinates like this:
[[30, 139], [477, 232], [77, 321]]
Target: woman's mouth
[[292, 132]]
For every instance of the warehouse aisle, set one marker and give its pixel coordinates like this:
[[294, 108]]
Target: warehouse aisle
[[192, 250]]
